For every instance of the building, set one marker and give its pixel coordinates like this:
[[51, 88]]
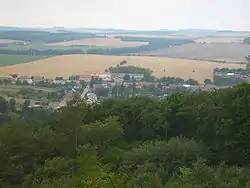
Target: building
[[105, 77], [137, 77], [59, 82], [88, 78], [37, 79]]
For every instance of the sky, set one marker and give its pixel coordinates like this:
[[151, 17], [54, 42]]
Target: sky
[[127, 14]]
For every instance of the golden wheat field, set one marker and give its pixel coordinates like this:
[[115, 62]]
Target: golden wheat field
[[107, 42], [86, 64]]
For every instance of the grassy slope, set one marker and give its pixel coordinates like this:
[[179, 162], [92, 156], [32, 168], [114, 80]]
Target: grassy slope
[[7, 60]]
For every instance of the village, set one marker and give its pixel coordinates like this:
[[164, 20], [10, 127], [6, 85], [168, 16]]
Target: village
[[96, 87]]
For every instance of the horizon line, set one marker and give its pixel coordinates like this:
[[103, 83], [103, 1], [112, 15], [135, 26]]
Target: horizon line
[[113, 28]]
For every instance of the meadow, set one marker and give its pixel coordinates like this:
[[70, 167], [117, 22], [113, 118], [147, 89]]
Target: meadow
[[68, 65]]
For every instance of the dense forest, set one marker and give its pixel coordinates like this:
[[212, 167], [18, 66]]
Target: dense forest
[[42, 36], [185, 140]]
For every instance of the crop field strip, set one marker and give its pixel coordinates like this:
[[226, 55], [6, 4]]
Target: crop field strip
[[86, 64]]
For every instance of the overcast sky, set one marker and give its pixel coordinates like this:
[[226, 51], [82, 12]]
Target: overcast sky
[[128, 14]]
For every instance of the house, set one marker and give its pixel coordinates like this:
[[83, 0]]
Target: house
[[6, 79], [29, 81], [105, 77], [37, 79], [137, 77], [59, 82], [88, 78]]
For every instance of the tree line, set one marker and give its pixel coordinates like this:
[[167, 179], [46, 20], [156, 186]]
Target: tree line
[[43, 36], [185, 140], [223, 77]]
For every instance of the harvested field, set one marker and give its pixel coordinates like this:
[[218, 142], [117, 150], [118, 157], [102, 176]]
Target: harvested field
[[220, 39], [232, 53], [107, 42], [86, 64]]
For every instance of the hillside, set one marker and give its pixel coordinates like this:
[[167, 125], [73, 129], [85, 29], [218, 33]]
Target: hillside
[[86, 64]]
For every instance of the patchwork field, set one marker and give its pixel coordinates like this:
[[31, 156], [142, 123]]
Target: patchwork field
[[232, 53], [220, 39], [87, 64], [108, 42]]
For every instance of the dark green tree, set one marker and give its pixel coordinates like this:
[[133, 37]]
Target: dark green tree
[[12, 105], [3, 105]]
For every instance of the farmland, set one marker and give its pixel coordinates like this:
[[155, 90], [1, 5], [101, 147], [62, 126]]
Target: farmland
[[85, 64], [17, 59], [107, 42], [232, 53], [220, 39]]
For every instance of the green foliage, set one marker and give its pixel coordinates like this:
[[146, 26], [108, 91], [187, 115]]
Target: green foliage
[[191, 82], [186, 140], [172, 80], [102, 92], [42, 36], [12, 105], [203, 176], [131, 70], [3, 105], [207, 81], [126, 78], [162, 159]]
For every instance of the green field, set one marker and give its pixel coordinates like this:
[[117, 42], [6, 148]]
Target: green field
[[6, 60]]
